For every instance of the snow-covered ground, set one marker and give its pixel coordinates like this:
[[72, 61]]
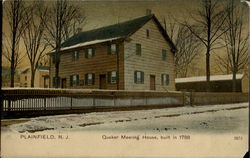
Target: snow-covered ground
[[213, 118], [213, 131]]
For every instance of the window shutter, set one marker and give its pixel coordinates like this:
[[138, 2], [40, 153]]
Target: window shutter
[[117, 76], [142, 76], [167, 78], [140, 49], [86, 79], [109, 48], [86, 53], [72, 56], [93, 78], [147, 33], [117, 48], [77, 80], [78, 54], [162, 81], [71, 80], [109, 77], [135, 76], [93, 51]]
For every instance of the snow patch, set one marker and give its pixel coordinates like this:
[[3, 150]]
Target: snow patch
[[212, 78]]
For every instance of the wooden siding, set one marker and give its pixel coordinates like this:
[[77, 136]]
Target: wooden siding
[[150, 61], [99, 64]]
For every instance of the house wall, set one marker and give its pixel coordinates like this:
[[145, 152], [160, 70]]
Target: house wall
[[25, 82], [101, 63], [245, 83], [150, 61], [39, 79]]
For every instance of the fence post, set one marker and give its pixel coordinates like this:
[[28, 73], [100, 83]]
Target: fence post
[[9, 104], [44, 103]]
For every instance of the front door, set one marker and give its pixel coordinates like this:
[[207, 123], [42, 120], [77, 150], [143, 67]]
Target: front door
[[103, 82], [152, 82], [64, 83]]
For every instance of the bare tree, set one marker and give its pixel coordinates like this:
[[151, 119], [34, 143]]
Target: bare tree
[[236, 41], [208, 27], [171, 26], [222, 64], [64, 19], [189, 48], [15, 16], [33, 36]]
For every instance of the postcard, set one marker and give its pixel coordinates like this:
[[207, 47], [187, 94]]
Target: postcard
[[126, 79]]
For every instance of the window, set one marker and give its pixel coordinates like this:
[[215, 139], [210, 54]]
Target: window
[[74, 80], [90, 52], [139, 77], [138, 49], [165, 79], [147, 32], [113, 48], [113, 77], [89, 79], [25, 78], [75, 55], [164, 54]]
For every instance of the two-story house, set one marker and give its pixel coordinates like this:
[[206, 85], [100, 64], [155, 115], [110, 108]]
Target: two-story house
[[41, 77], [132, 55]]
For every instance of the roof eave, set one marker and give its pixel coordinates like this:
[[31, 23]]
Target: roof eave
[[61, 51], [165, 35]]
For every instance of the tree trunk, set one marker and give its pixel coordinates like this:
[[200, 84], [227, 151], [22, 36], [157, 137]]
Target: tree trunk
[[32, 81], [12, 74], [57, 62], [208, 70], [234, 81], [12, 66]]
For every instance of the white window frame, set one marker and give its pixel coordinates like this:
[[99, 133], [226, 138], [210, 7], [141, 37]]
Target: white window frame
[[76, 54], [90, 52], [113, 48], [165, 81], [74, 80], [139, 77], [113, 77], [90, 79]]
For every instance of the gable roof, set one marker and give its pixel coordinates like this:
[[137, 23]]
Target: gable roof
[[212, 78], [112, 32]]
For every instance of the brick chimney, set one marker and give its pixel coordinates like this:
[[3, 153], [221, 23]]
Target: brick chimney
[[148, 11]]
